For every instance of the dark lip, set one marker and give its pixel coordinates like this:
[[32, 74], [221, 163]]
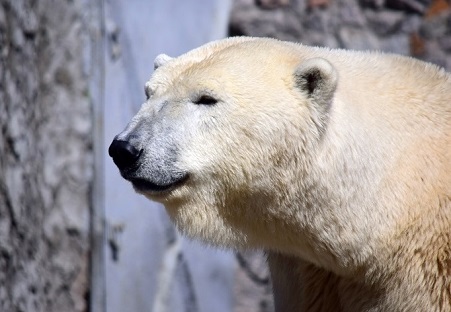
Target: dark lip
[[146, 186]]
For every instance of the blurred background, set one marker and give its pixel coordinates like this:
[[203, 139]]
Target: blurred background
[[73, 234]]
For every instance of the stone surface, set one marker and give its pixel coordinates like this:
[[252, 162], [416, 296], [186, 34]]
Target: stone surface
[[387, 25], [253, 286], [45, 157]]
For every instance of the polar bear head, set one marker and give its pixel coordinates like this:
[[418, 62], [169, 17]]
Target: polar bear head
[[226, 136]]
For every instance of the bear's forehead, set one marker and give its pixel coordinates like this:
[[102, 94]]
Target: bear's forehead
[[229, 60]]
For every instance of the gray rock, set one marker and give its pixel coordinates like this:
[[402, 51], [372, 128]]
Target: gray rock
[[357, 39], [44, 235], [2, 19], [435, 27], [397, 43], [350, 13], [384, 22], [411, 24], [411, 6], [445, 43]]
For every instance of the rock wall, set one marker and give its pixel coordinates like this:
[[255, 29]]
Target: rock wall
[[420, 28], [45, 156]]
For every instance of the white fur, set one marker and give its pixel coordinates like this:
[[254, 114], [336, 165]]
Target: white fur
[[345, 180]]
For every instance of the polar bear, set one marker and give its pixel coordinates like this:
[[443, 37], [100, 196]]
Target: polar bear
[[336, 163]]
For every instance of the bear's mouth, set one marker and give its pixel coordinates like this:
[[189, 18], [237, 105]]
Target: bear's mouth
[[146, 186]]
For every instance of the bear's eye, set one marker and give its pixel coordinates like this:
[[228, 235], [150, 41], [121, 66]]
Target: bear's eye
[[205, 100]]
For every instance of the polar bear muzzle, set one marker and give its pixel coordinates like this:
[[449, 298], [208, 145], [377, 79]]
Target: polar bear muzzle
[[130, 160]]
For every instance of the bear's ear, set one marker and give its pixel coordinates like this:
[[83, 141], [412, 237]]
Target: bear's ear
[[160, 60], [318, 79]]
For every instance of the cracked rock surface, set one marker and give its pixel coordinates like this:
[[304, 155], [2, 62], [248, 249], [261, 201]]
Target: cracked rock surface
[[44, 181]]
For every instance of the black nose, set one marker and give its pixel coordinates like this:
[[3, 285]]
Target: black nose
[[124, 154]]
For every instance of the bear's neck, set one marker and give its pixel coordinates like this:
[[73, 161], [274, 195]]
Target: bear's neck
[[416, 268], [370, 216], [413, 273], [363, 188], [339, 195]]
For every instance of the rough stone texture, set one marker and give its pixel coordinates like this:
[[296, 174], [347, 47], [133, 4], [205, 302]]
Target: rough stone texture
[[253, 286], [420, 28], [45, 157]]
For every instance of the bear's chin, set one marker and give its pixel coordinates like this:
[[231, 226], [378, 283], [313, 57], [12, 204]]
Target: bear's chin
[[174, 196], [199, 224], [157, 191]]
